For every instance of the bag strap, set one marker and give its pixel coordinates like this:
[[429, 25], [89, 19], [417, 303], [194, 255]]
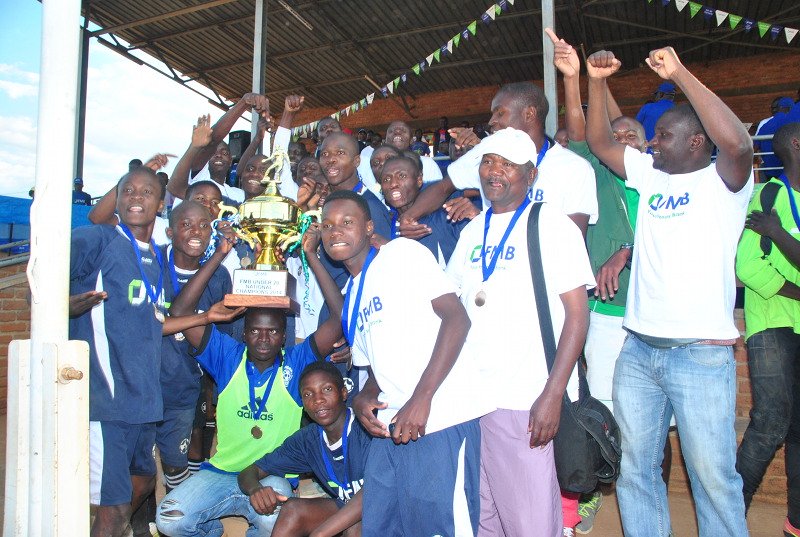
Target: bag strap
[[543, 304], [767, 197], [540, 288]]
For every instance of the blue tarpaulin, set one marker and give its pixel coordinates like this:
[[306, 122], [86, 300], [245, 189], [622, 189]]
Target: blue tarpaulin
[[17, 211]]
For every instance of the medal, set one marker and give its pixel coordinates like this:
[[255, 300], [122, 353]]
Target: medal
[[153, 294], [159, 314], [258, 408], [256, 432], [480, 298], [245, 262]]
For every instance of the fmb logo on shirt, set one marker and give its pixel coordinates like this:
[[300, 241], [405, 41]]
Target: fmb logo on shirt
[[507, 254], [662, 206], [372, 306]]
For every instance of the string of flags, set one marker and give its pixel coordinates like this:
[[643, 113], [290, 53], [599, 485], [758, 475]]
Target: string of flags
[[748, 24], [487, 17]]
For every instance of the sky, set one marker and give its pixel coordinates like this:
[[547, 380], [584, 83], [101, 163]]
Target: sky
[[131, 111]]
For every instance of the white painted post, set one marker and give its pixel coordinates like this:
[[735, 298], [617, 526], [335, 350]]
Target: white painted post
[[548, 21], [47, 457], [260, 67]]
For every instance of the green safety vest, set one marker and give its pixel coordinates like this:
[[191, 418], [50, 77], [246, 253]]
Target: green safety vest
[[236, 446]]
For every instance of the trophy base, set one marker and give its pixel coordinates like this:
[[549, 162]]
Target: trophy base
[[261, 301], [263, 289]]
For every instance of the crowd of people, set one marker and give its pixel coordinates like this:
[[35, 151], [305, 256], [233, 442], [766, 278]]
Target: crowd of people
[[416, 363]]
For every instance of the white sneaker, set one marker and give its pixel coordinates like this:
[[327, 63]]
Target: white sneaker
[[568, 532]]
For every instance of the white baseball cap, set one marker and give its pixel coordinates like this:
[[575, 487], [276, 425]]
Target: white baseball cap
[[511, 144]]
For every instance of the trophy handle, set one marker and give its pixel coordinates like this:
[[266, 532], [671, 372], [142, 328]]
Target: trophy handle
[[224, 209]]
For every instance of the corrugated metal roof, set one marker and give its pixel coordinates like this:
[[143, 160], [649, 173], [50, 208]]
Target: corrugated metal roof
[[211, 41]]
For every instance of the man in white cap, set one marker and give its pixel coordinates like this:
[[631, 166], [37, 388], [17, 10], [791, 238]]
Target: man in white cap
[[490, 266]]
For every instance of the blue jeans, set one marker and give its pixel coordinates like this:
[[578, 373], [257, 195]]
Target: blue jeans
[[698, 384], [775, 416], [197, 504]]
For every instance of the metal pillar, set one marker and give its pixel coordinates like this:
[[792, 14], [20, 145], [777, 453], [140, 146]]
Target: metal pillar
[[48, 421], [548, 21], [259, 62], [80, 134]]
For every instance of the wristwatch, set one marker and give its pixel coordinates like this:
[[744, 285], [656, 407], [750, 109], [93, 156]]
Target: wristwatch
[[626, 246]]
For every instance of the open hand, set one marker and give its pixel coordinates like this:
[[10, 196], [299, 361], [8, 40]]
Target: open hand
[[768, 225], [363, 406], [201, 132], [83, 302], [220, 313], [158, 161]]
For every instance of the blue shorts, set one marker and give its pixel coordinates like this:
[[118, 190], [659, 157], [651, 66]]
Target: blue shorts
[[427, 487], [118, 451], [173, 435]]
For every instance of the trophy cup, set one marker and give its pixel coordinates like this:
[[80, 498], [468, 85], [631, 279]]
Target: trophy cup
[[269, 220]]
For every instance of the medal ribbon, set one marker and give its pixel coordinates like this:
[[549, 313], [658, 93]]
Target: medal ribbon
[[395, 215], [349, 328], [488, 270], [327, 460], [150, 293], [792, 201], [176, 286], [359, 186], [540, 156], [258, 410]]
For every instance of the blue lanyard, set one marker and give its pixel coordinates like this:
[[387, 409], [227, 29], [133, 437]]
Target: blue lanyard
[[349, 328], [487, 271], [395, 215], [359, 186], [544, 149], [150, 292], [327, 460], [258, 410], [176, 286], [792, 202]]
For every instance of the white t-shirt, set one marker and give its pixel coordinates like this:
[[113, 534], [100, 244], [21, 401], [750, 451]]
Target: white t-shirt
[[230, 192], [683, 283], [565, 180], [397, 329], [505, 330], [308, 319], [288, 188]]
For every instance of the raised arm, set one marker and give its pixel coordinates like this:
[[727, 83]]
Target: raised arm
[[252, 148], [734, 147], [330, 331], [410, 421], [224, 125], [600, 66], [201, 137], [567, 62], [104, 211]]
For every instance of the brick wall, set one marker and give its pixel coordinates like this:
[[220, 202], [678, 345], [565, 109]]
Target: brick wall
[[15, 322], [747, 85]]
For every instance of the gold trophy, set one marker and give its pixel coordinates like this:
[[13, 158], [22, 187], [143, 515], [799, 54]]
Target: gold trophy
[[269, 220]]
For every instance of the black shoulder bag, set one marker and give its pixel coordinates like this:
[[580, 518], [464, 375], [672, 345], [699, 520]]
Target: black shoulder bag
[[587, 444]]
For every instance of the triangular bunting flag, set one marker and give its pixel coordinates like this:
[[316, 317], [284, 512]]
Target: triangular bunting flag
[[511, 2], [734, 20], [708, 12], [775, 31], [422, 65], [503, 5], [465, 33], [763, 28], [364, 103], [497, 9], [456, 40], [396, 82], [694, 7], [664, 2], [473, 27], [444, 50], [385, 91], [748, 24], [371, 97], [680, 4], [429, 59], [337, 116], [416, 69], [436, 54], [721, 16], [485, 19], [390, 87], [403, 78], [490, 11], [314, 125], [790, 33], [450, 44], [649, 1]]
